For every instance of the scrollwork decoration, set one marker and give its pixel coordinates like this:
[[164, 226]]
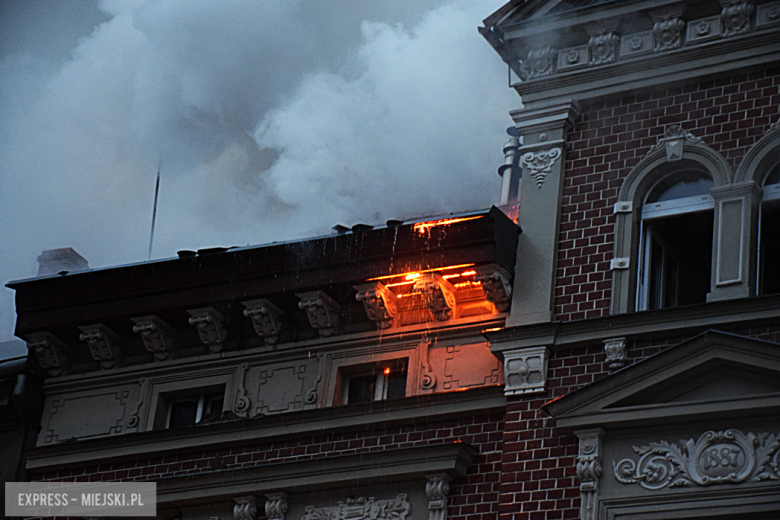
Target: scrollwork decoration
[[540, 164]]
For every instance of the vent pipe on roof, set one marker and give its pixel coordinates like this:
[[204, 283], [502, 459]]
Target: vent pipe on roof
[[53, 261]]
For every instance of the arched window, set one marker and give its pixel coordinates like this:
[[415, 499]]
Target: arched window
[[666, 229]]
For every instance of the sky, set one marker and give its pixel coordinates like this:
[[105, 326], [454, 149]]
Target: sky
[[269, 121]]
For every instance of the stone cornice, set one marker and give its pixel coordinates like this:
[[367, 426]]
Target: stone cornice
[[422, 409], [663, 322]]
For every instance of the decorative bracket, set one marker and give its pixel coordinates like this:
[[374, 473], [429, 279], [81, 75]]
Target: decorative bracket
[[158, 336], [437, 488], [624, 206], [50, 352], [497, 285], [525, 370], [379, 302], [439, 295], [322, 310], [103, 344], [211, 327], [245, 508], [620, 263], [673, 140], [539, 164], [615, 349], [276, 506], [265, 319], [589, 471]]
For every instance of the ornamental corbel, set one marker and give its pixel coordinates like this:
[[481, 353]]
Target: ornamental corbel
[[50, 352], [265, 319], [439, 295], [210, 325], [615, 350], [322, 310], [589, 470], [245, 508], [380, 303], [103, 344], [497, 285], [276, 506], [539, 164], [158, 336], [736, 17], [437, 488], [674, 140]]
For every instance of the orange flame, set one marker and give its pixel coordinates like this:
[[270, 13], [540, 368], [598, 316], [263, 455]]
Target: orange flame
[[411, 275], [422, 227]]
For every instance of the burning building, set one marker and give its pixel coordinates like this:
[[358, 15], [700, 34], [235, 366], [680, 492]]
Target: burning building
[[618, 358]]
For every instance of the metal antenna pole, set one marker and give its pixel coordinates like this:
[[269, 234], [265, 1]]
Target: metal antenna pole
[[154, 211]]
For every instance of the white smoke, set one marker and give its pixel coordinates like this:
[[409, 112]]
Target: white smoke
[[271, 120]]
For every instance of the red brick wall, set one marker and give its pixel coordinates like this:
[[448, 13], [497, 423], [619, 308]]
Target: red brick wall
[[610, 137]]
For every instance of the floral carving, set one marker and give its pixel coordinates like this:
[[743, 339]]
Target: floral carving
[[540, 62], [379, 302], [668, 34], [265, 319], [362, 508], [211, 327], [736, 18], [635, 43], [539, 164], [103, 345], [603, 47], [725, 457], [702, 28], [156, 335], [50, 352], [322, 310], [573, 56]]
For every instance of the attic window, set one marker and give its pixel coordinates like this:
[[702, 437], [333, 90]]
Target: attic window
[[374, 382], [189, 407]]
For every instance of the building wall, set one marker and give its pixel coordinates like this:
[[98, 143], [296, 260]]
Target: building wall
[[610, 137]]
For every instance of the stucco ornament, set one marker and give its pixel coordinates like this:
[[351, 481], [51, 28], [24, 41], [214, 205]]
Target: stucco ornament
[[525, 370], [668, 34], [158, 337], [210, 325], [724, 457], [103, 345], [437, 488], [497, 285], [615, 349], [604, 47], [439, 295], [540, 62], [673, 140], [589, 471], [50, 352], [265, 319], [379, 303], [276, 506], [323, 312], [539, 164], [245, 508], [362, 509], [736, 18]]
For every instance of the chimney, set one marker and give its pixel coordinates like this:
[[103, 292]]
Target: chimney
[[53, 261], [511, 173]]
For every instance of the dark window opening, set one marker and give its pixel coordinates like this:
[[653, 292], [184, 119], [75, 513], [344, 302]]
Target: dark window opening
[[376, 382], [677, 260], [683, 184], [769, 248], [189, 407]]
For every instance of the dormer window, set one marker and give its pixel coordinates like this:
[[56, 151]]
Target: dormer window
[[676, 244]]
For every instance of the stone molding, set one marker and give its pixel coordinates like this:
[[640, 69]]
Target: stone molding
[[525, 370], [539, 164], [103, 344], [539, 63], [362, 508], [380, 303], [603, 48], [245, 508], [51, 353], [437, 488], [439, 295], [158, 336], [615, 350], [668, 34], [723, 457], [496, 284], [324, 312], [736, 17], [589, 470], [211, 327], [265, 319], [760, 157], [276, 506]]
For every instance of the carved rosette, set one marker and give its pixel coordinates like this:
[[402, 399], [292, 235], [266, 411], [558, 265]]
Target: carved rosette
[[362, 508], [210, 325], [276, 506], [615, 349], [725, 457], [157, 336], [540, 62], [539, 164], [497, 285], [437, 488], [103, 344], [589, 471], [737, 18], [265, 319], [439, 295], [673, 140], [245, 508], [603, 47], [50, 352], [322, 310], [668, 34], [380, 303], [525, 370]]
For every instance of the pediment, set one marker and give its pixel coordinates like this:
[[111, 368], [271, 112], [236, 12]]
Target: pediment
[[711, 375]]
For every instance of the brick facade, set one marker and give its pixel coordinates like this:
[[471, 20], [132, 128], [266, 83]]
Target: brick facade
[[610, 137]]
